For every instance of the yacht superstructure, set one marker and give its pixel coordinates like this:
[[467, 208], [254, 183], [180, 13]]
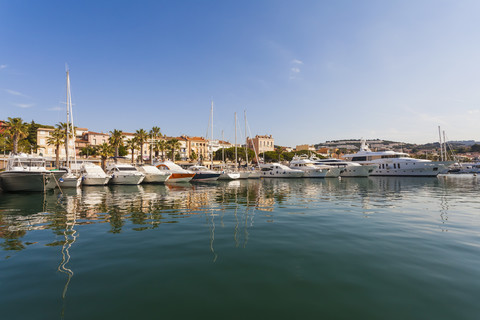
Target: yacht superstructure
[[178, 173], [349, 169], [311, 170], [153, 174], [93, 175]]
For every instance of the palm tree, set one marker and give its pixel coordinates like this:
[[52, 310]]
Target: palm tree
[[174, 144], [161, 145], [153, 134], [131, 145], [16, 130], [104, 151], [279, 151], [116, 140], [64, 127], [141, 136], [56, 139]]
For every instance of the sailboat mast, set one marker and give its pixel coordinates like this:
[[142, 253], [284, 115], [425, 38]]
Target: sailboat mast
[[67, 129], [236, 155], [441, 144], [211, 137], [246, 139], [223, 149], [445, 146]]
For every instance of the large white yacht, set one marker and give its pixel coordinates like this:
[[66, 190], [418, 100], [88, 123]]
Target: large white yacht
[[93, 175], [27, 173], [311, 170], [391, 163], [178, 173], [124, 174], [153, 174], [349, 169], [277, 170]]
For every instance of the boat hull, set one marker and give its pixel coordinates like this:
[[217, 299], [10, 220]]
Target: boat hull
[[25, 181], [229, 176], [357, 171], [180, 177], [69, 181], [206, 177], [155, 178], [245, 174], [95, 181], [127, 179]]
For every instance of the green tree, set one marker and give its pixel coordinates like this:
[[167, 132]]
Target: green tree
[[141, 136], [56, 139], [16, 129], [132, 146], [174, 144], [475, 148], [193, 156], [161, 145], [104, 151], [88, 151], [116, 140], [154, 134]]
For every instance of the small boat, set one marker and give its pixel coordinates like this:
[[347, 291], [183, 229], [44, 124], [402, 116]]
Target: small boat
[[228, 174], [25, 173], [124, 174], [202, 173], [277, 170], [153, 174], [93, 175], [68, 179], [178, 173]]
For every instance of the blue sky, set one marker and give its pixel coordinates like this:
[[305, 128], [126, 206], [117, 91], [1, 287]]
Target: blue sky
[[305, 71]]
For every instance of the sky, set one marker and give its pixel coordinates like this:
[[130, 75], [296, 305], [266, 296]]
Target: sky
[[305, 71]]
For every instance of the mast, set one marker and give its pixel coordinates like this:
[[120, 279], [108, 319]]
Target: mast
[[236, 155], [246, 139], [211, 137], [67, 129], [223, 150], [445, 146], [441, 145]]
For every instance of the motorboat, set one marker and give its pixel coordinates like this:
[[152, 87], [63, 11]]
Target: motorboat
[[228, 174], [277, 170], [27, 173], [392, 163], [124, 174], [202, 173], [68, 178], [349, 169], [93, 175], [153, 174], [178, 173], [311, 170]]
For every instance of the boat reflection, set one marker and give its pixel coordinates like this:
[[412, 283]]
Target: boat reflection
[[142, 207]]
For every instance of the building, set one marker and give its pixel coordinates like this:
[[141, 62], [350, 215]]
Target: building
[[95, 138], [261, 143], [46, 150], [305, 147]]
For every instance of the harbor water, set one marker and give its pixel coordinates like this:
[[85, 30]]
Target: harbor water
[[351, 248]]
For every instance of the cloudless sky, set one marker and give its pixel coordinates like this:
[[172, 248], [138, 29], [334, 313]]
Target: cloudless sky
[[305, 71]]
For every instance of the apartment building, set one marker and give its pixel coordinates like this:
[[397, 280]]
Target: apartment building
[[261, 143]]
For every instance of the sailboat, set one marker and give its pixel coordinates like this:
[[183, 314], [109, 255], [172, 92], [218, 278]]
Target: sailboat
[[69, 179]]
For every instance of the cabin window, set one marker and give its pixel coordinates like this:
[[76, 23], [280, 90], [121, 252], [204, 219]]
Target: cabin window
[[394, 166], [383, 165], [398, 165], [359, 159]]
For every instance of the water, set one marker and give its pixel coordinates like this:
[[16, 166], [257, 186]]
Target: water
[[363, 248]]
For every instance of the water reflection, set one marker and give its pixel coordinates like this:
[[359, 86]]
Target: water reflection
[[149, 206]]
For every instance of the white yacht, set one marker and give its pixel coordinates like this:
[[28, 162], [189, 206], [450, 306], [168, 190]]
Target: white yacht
[[311, 170], [349, 169], [277, 170], [178, 174], [93, 175], [202, 173], [27, 173], [124, 174], [391, 163], [153, 174]]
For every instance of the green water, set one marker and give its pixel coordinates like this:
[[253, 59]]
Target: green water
[[358, 248]]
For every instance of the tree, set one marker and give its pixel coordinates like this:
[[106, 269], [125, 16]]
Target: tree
[[153, 134], [193, 156], [475, 148], [16, 129], [88, 151], [174, 144], [56, 139], [161, 145], [116, 140], [104, 151], [141, 136], [279, 151], [131, 145], [71, 134]]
